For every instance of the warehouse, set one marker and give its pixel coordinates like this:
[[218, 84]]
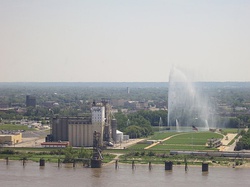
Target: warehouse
[[10, 139]]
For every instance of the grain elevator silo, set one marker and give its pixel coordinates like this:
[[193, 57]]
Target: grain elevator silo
[[113, 130]]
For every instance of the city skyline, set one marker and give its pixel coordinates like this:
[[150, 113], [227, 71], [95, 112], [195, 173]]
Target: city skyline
[[124, 41]]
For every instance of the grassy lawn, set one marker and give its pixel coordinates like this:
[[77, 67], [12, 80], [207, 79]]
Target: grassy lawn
[[12, 127], [181, 147], [32, 157], [188, 141], [229, 130], [48, 154], [195, 138], [182, 141], [162, 135], [31, 149], [155, 157]]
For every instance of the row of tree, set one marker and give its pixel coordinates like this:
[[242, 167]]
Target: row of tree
[[244, 141], [140, 124]]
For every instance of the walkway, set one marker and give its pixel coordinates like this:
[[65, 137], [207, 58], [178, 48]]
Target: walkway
[[226, 140], [126, 144], [159, 141]]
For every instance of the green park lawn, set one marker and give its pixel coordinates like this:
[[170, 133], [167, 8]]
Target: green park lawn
[[188, 141], [229, 130], [182, 141], [12, 127], [194, 138], [162, 135], [181, 147]]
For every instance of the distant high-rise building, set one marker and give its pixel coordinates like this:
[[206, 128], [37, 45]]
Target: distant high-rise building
[[128, 90], [30, 101]]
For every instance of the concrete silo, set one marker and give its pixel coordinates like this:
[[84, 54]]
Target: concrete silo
[[113, 130]]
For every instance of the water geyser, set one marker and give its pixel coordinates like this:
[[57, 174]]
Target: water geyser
[[187, 105]]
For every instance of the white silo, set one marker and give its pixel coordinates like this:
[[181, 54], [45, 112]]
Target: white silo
[[119, 136]]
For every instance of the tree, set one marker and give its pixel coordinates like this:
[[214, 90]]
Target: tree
[[122, 121], [70, 154], [154, 116], [134, 125], [133, 131], [244, 142]]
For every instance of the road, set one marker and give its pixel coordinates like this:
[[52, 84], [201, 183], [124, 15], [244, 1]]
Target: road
[[30, 142]]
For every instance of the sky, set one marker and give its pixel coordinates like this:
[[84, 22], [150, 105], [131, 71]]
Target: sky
[[123, 40]]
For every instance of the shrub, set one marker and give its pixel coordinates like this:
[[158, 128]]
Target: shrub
[[8, 151], [143, 153], [150, 153]]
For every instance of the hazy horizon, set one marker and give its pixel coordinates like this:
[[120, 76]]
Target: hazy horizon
[[124, 85], [124, 41]]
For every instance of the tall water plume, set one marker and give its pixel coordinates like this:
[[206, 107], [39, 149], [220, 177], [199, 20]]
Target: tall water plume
[[187, 106]]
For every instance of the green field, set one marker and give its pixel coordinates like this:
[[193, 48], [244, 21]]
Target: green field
[[230, 130], [48, 154], [195, 138], [162, 135], [12, 127], [188, 141], [181, 141], [181, 147]]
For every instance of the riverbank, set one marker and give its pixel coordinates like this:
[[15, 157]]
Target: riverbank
[[117, 163]]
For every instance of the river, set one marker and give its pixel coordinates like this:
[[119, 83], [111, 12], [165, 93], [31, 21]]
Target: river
[[32, 175]]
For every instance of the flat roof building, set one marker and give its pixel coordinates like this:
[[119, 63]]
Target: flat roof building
[[30, 101], [60, 126], [10, 139]]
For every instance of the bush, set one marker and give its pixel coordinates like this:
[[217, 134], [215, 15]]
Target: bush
[[150, 153], [8, 151], [137, 153], [238, 163], [143, 153]]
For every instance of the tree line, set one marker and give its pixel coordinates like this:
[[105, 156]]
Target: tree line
[[244, 141], [140, 124]]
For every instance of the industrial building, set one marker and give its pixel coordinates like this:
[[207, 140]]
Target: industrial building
[[10, 139], [81, 134], [79, 130], [30, 101], [60, 126]]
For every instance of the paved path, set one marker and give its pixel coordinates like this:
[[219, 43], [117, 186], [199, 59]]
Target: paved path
[[127, 144], [159, 141], [226, 140]]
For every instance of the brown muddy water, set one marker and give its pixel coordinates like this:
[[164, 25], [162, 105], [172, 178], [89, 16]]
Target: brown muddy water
[[32, 175]]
